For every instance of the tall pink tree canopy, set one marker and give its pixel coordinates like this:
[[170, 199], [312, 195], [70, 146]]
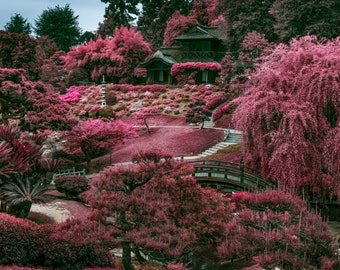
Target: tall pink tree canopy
[[158, 206], [90, 138], [177, 25], [290, 115], [115, 58], [204, 12]]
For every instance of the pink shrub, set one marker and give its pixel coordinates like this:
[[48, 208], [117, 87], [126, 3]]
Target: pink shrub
[[23, 242], [181, 70], [223, 109], [182, 67], [74, 88], [214, 100], [70, 97]]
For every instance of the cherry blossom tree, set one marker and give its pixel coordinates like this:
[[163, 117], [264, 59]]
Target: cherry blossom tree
[[253, 46], [159, 208], [290, 116], [132, 48], [94, 137]]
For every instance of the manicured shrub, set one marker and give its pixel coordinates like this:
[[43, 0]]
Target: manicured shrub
[[15, 236], [25, 243], [71, 97], [213, 101], [72, 185]]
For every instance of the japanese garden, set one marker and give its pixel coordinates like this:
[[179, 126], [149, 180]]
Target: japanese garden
[[192, 134]]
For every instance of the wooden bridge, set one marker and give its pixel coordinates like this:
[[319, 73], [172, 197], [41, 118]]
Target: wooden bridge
[[228, 176]]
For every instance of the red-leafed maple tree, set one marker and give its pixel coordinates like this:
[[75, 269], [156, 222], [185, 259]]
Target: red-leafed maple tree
[[290, 116], [159, 209], [94, 137]]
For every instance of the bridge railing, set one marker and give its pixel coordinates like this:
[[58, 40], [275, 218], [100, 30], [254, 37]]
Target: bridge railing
[[225, 172], [71, 171]]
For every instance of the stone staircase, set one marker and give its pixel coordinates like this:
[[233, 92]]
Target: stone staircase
[[209, 123], [234, 137]]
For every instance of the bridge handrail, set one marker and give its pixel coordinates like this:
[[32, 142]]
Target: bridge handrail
[[68, 172], [227, 133], [225, 163], [245, 174]]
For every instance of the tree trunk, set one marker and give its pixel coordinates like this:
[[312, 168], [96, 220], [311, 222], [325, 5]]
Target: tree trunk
[[127, 256], [202, 125], [126, 243], [139, 256], [147, 126]]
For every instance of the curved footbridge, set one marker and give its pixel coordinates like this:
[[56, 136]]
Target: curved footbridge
[[228, 176]]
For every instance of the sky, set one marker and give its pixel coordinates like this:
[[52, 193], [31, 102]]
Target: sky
[[90, 12]]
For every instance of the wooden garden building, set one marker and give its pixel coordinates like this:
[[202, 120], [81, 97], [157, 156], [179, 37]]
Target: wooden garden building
[[201, 44]]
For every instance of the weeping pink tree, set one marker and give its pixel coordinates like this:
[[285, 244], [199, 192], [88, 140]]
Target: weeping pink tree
[[289, 116]]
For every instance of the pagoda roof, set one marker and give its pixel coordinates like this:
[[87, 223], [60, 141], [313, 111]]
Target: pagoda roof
[[159, 56], [201, 32]]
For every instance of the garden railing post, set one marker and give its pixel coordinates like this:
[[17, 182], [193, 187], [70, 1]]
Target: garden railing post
[[242, 169]]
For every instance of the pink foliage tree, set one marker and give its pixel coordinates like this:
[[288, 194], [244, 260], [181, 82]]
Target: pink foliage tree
[[156, 205], [53, 71], [253, 46], [143, 113], [34, 104], [177, 25], [206, 12], [130, 45], [277, 230], [290, 116], [93, 137], [115, 58]]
